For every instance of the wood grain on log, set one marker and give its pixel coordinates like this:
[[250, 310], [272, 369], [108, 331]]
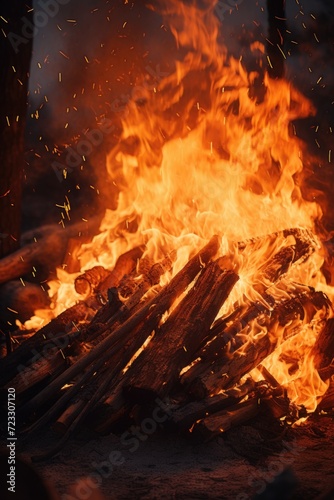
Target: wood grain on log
[[175, 342]]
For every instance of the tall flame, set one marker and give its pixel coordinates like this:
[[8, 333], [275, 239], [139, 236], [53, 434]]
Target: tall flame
[[201, 154]]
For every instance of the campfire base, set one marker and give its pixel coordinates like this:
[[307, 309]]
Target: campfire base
[[238, 464]]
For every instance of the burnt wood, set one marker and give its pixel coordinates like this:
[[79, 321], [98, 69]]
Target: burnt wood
[[157, 368]]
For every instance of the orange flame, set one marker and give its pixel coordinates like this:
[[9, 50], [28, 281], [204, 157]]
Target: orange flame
[[200, 155]]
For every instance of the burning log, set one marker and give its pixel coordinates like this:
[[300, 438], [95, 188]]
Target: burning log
[[106, 382], [270, 274], [272, 331], [327, 402], [125, 264], [222, 336], [107, 314], [154, 308], [174, 344], [88, 282], [323, 350]]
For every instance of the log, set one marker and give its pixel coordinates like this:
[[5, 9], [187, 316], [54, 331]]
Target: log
[[116, 312], [46, 336], [43, 368], [323, 350], [227, 339], [155, 307], [223, 373], [327, 402], [270, 273], [47, 252], [20, 301], [88, 282], [125, 264], [220, 422], [186, 415], [157, 368], [304, 241], [276, 399], [114, 409], [66, 419]]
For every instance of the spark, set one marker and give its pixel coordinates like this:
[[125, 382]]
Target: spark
[[8, 122], [281, 51], [315, 36], [269, 61], [12, 310], [63, 54]]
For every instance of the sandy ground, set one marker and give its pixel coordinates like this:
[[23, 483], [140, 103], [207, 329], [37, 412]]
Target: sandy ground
[[238, 465]]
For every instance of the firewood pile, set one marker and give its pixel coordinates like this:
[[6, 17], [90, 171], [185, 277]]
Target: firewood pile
[[130, 342]]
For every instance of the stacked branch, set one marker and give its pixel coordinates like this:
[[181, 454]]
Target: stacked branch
[[265, 334], [129, 341], [145, 318]]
